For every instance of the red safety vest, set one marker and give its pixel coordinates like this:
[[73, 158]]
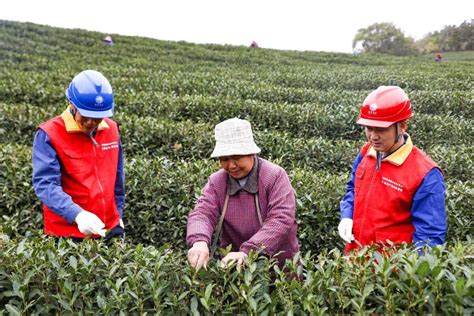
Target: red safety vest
[[383, 199], [88, 172]]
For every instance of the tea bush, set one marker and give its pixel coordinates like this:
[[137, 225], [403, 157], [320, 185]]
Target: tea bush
[[49, 276], [190, 140], [160, 193]]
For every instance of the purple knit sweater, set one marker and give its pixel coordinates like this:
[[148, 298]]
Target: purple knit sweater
[[241, 227]]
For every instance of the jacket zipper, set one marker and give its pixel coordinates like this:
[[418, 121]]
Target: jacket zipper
[[369, 194], [95, 145]]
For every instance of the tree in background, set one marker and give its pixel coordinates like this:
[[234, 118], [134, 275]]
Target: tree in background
[[384, 38], [451, 38]]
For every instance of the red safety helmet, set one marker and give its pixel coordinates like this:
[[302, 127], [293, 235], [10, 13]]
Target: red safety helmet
[[385, 106]]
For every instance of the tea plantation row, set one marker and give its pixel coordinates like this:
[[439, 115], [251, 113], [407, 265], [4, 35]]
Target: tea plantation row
[[46, 276], [142, 91], [192, 139], [161, 192]]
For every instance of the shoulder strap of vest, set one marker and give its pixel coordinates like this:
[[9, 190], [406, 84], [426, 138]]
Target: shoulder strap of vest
[[51, 124], [218, 229], [110, 122], [426, 161]]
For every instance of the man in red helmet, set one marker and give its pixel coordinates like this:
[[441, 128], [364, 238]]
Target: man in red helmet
[[396, 192]]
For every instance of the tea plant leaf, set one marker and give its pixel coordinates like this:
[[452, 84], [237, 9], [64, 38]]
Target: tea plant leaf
[[423, 269], [73, 262], [12, 310]]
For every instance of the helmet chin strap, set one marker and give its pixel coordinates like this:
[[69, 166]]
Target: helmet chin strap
[[397, 138], [399, 135], [73, 112], [379, 155]]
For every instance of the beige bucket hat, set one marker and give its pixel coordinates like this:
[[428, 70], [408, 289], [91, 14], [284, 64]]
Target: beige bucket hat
[[234, 137]]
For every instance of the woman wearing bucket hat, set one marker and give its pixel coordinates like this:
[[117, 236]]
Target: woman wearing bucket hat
[[248, 204], [78, 163]]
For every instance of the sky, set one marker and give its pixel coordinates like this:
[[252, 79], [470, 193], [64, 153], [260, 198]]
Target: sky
[[328, 25]]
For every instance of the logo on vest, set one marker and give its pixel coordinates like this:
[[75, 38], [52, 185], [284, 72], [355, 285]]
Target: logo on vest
[[392, 184], [111, 145]]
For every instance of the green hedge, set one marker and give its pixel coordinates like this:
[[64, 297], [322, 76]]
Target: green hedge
[[331, 121], [44, 276], [193, 140]]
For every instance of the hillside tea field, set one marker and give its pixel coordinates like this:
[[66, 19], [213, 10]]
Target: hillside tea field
[[169, 96]]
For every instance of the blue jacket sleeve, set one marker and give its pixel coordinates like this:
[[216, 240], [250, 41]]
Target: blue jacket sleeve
[[347, 202], [120, 183], [428, 210], [47, 179]]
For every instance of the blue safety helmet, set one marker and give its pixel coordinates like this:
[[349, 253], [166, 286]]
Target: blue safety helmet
[[91, 93]]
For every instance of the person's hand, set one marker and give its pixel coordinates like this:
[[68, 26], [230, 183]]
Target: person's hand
[[198, 255], [233, 256], [88, 223], [345, 229], [121, 224]]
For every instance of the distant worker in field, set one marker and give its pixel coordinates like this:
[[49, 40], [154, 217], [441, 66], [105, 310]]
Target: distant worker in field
[[253, 44], [108, 40], [250, 203], [78, 163], [438, 57], [396, 193]]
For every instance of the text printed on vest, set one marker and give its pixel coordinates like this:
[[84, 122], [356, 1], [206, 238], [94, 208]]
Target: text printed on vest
[[392, 184], [110, 145]]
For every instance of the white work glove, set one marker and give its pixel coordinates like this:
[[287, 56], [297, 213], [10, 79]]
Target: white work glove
[[345, 229], [88, 223], [198, 255], [233, 256], [121, 223]]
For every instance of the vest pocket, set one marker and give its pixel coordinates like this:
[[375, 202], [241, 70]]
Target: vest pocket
[[359, 175], [75, 163]]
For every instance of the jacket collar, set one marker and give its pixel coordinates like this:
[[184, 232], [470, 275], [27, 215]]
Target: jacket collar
[[71, 125], [251, 186], [399, 156]]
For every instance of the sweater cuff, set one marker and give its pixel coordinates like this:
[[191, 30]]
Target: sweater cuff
[[72, 213], [192, 240], [245, 248]]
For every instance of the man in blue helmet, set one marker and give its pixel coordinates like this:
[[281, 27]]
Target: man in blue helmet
[[78, 163]]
